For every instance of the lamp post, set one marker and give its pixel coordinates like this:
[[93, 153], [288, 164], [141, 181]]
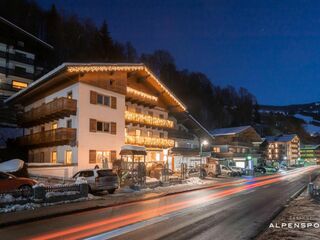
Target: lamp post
[[203, 143]]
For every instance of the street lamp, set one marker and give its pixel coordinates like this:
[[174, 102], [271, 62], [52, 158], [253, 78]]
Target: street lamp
[[203, 143]]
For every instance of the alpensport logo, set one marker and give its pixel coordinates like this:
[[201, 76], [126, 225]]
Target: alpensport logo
[[298, 225]]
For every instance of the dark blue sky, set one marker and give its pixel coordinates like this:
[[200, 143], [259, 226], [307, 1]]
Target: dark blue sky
[[272, 48]]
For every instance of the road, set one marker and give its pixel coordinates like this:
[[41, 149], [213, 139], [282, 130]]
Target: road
[[233, 210]]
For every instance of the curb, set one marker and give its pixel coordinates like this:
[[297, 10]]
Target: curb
[[27, 220]]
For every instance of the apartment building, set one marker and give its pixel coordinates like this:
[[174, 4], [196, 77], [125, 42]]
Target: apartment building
[[310, 154], [283, 148], [81, 115], [22, 58], [237, 146]]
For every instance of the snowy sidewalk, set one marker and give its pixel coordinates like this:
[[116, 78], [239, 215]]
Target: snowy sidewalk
[[299, 220], [122, 196]]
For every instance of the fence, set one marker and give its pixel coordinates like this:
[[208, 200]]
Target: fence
[[44, 194]]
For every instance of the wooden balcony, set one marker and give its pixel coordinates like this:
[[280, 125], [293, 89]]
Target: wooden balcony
[[143, 119], [135, 96], [55, 137], [151, 142], [56, 109]]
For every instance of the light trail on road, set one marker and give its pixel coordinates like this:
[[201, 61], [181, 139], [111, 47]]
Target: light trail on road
[[98, 227]]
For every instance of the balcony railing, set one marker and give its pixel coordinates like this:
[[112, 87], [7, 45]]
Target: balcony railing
[[21, 58], [136, 96], [132, 117], [20, 73], [55, 137], [150, 141], [8, 87], [58, 108]]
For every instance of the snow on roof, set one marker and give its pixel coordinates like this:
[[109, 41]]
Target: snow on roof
[[12, 165], [312, 147], [25, 32], [229, 131], [280, 138]]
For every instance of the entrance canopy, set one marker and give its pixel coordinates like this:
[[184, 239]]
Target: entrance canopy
[[133, 150]]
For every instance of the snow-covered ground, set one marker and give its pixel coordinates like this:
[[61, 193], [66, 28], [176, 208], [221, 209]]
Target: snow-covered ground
[[309, 127]]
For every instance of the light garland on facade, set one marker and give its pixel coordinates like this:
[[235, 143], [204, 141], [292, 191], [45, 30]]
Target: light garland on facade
[[106, 68], [149, 141], [141, 94], [147, 119]]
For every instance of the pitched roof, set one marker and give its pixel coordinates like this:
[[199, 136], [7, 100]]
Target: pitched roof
[[280, 138], [229, 131], [95, 67], [12, 25]]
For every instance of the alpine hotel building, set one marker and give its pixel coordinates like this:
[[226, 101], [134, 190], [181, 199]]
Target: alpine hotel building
[[80, 115]]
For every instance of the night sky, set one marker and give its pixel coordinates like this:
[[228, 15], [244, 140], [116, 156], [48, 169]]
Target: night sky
[[272, 48]]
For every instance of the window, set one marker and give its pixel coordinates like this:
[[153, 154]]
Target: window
[[68, 157], [106, 100], [86, 174], [161, 135], [161, 116], [54, 126], [41, 157], [149, 133], [54, 157], [19, 85], [150, 113], [126, 131], [103, 126], [20, 69], [31, 131], [99, 99], [138, 132], [138, 110], [69, 123], [69, 95], [20, 43], [42, 128]]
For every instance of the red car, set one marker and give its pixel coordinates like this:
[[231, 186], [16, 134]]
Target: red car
[[9, 183]]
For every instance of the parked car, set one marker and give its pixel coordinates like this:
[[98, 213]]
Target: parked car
[[271, 169], [100, 179], [9, 182], [240, 171], [227, 171], [260, 169]]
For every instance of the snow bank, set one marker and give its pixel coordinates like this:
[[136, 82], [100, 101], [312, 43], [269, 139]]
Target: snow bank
[[194, 181], [13, 165], [151, 180], [55, 194]]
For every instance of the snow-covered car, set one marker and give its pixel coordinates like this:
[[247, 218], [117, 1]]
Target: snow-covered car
[[99, 179], [9, 182], [227, 171]]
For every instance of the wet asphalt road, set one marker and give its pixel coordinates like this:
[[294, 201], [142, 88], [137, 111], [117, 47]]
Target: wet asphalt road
[[234, 210]]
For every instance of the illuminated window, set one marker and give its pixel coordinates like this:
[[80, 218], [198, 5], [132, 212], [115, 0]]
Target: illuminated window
[[19, 85], [126, 131], [161, 135], [69, 95], [149, 133], [54, 126], [138, 132], [54, 157], [68, 157]]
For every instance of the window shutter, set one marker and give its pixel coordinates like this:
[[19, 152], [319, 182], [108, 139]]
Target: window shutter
[[92, 156], [113, 156], [113, 128], [93, 125], [114, 102], [93, 97]]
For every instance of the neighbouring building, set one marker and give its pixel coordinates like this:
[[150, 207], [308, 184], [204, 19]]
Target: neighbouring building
[[237, 146], [81, 115], [310, 154], [23, 58], [283, 148]]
